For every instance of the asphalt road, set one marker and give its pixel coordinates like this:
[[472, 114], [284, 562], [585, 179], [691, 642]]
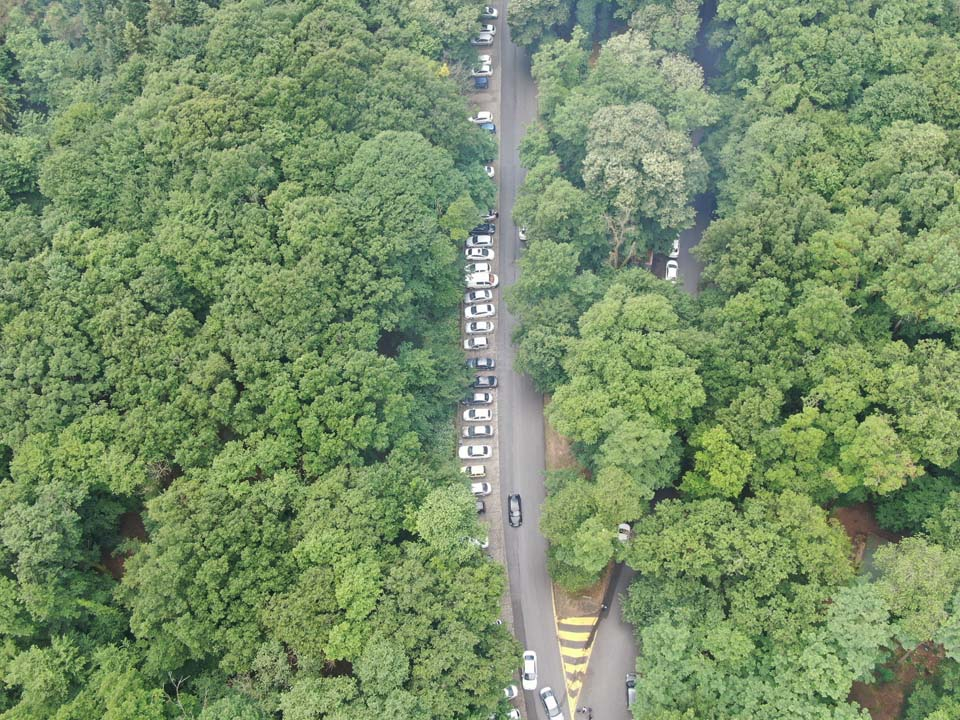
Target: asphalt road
[[520, 405]]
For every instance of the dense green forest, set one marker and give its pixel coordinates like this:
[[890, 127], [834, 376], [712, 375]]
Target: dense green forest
[[819, 367], [229, 286]]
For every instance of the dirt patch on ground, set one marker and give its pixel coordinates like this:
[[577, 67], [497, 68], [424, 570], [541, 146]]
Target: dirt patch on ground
[[885, 700], [865, 534], [559, 456], [130, 527]]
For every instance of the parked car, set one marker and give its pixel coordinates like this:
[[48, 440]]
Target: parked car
[[481, 83], [474, 471], [482, 70], [484, 116], [631, 683], [483, 363], [675, 250], [488, 28], [510, 692], [673, 271], [476, 343], [489, 13], [522, 234], [485, 59], [528, 675], [489, 127], [490, 170], [479, 327], [475, 269], [476, 296], [477, 415], [514, 714], [482, 544], [482, 488], [623, 532], [550, 703], [484, 254], [477, 431], [482, 279], [482, 40], [485, 382], [473, 312], [474, 452], [478, 398], [481, 508], [490, 215], [516, 510], [486, 228], [475, 241]]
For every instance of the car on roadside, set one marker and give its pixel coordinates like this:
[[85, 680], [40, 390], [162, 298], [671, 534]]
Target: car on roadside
[[475, 241], [488, 12], [490, 215], [483, 254], [675, 248], [550, 703], [486, 228], [477, 415], [510, 692], [514, 714], [489, 127], [475, 312], [474, 452], [631, 683], [522, 233], [488, 28], [479, 327], [485, 59], [481, 83], [477, 296], [482, 544], [476, 343], [482, 70], [484, 382], [477, 431], [483, 363], [482, 40], [515, 509], [482, 279], [490, 170], [478, 398], [528, 672], [483, 116], [476, 269], [474, 471], [481, 488], [481, 508], [623, 532], [673, 271]]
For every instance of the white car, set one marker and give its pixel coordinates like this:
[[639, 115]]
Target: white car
[[488, 29], [482, 544], [675, 250], [489, 13], [477, 431], [477, 415], [480, 241], [550, 704], [474, 471], [510, 692], [522, 234], [482, 280], [475, 312], [514, 714], [485, 59], [476, 343], [476, 269], [490, 171], [623, 532], [481, 488], [480, 254], [479, 327], [482, 40], [673, 271], [481, 117], [482, 70], [477, 296], [528, 675], [474, 452]]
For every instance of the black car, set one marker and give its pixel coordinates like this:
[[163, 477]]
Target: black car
[[481, 363], [484, 229], [481, 508], [485, 381], [516, 510]]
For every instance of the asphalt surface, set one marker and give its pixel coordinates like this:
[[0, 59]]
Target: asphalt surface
[[520, 408]]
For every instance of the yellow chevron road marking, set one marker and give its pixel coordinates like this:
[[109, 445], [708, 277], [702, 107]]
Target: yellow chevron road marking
[[573, 635]]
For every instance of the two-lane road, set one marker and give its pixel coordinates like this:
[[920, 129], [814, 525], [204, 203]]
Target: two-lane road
[[520, 405]]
